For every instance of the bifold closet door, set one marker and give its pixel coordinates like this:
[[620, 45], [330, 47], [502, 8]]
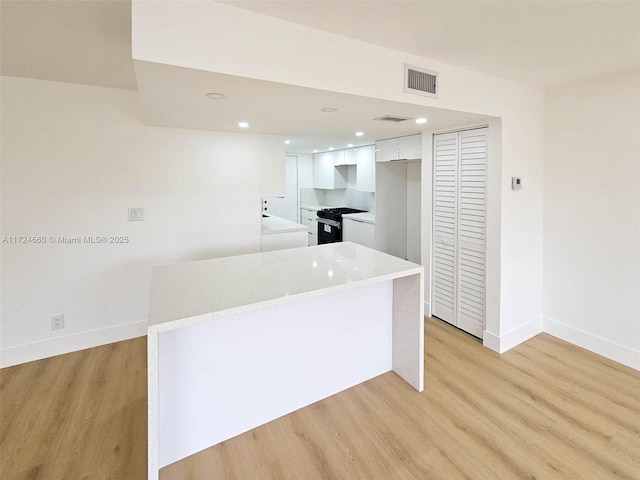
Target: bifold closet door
[[445, 225], [460, 161]]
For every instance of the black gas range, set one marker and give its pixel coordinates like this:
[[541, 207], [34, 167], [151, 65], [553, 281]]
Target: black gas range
[[330, 223]]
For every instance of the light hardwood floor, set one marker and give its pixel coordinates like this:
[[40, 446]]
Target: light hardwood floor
[[545, 410], [77, 416]]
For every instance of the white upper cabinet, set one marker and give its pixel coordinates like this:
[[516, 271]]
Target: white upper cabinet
[[351, 156], [366, 168], [338, 157], [330, 172], [387, 150], [325, 173], [410, 148], [402, 148], [318, 170]]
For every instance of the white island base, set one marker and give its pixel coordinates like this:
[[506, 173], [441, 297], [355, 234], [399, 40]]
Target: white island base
[[239, 341]]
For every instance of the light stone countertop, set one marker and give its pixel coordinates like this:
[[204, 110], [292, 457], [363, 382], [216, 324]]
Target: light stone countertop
[[367, 217], [273, 224], [187, 293], [314, 208]]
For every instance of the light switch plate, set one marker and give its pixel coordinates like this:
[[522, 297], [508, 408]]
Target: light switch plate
[[135, 214], [516, 183]]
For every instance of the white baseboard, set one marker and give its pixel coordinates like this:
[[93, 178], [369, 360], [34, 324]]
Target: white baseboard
[[71, 343], [427, 309], [594, 343], [502, 343]]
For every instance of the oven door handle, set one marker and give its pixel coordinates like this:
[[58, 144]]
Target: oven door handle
[[333, 223]]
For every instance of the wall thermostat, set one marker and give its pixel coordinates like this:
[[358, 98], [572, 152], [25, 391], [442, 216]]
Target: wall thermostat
[[516, 183]]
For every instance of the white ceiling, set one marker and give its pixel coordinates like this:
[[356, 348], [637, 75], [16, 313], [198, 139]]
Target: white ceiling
[[86, 42], [540, 43], [173, 96]]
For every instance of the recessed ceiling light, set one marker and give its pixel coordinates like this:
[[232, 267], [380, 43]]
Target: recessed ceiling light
[[287, 142], [330, 148], [349, 145], [329, 109], [315, 151], [243, 124], [359, 134], [215, 96], [421, 120]]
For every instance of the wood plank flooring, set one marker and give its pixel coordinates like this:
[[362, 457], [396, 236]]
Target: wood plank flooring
[[544, 410], [77, 416]]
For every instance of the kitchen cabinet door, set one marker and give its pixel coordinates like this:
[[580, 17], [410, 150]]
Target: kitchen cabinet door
[[358, 231], [366, 234], [402, 148], [387, 150], [351, 156], [349, 230], [325, 174], [410, 148], [318, 171], [338, 158], [366, 169], [309, 219], [281, 241]]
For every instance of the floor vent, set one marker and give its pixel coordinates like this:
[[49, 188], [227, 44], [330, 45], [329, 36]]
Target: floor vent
[[420, 81], [392, 118]]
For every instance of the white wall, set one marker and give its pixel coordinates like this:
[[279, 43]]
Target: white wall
[[206, 35], [592, 215], [74, 158]]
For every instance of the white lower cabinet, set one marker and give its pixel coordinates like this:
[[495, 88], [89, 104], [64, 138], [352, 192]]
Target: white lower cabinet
[[349, 230], [358, 232], [366, 234], [309, 219], [313, 237], [281, 241]]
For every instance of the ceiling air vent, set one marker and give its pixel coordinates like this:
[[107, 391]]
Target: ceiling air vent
[[420, 81], [392, 118]]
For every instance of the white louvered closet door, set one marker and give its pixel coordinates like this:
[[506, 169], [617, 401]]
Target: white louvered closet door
[[445, 231], [465, 252]]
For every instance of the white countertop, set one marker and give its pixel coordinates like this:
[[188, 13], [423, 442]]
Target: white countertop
[[314, 208], [272, 224], [187, 293], [367, 217]]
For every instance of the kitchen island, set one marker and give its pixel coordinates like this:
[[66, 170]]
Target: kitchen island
[[236, 342]]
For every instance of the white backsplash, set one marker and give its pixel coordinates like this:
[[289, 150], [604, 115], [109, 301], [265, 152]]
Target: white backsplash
[[347, 197]]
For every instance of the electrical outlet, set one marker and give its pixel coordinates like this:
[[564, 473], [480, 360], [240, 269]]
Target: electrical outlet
[[135, 214], [57, 322]]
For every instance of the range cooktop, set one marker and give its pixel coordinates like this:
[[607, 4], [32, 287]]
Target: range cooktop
[[336, 213]]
